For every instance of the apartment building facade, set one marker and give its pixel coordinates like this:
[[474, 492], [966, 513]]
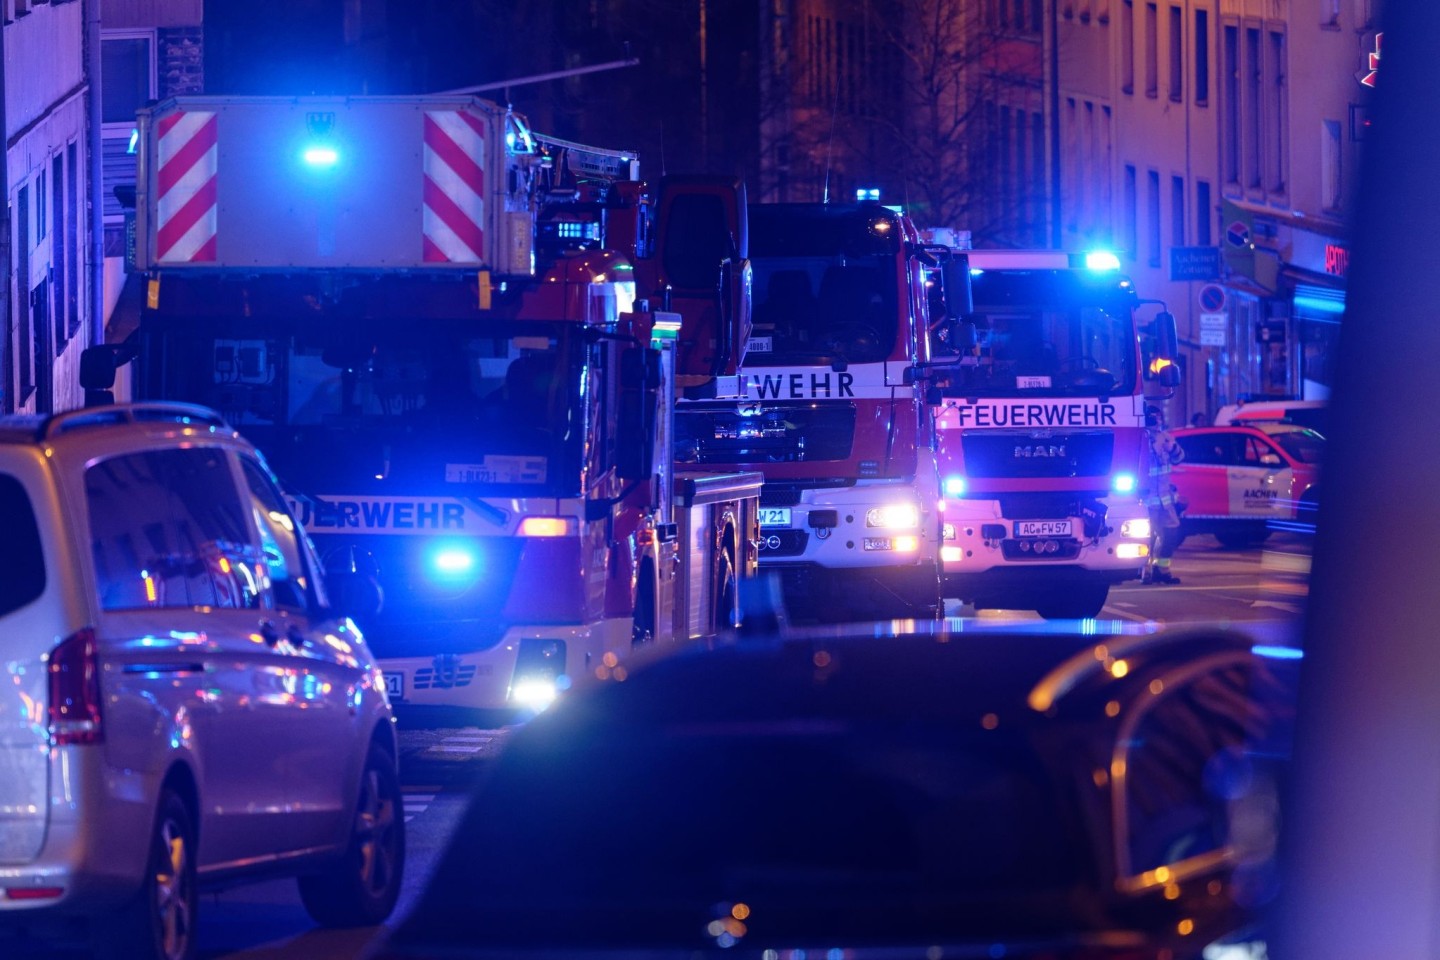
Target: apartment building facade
[[1214, 143], [45, 228]]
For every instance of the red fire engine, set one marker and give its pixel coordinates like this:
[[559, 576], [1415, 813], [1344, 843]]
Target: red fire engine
[[425, 315], [1042, 442], [830, 414]]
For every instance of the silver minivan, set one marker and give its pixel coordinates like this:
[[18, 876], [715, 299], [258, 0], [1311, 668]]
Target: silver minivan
[[180, 704]]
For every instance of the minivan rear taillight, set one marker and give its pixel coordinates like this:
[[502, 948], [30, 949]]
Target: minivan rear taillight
[[75, 690]]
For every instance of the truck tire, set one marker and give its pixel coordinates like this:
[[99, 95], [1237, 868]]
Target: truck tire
[[726, 585], [361, 888], [1243, 536], [642, 625], [1081, 602]]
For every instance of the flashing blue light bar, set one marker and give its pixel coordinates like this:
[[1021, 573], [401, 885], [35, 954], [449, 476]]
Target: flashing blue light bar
[[955, 486], [867, 193], [1123, 483], [1101, 260], [454, 561], [1277, 652], [319, 156]]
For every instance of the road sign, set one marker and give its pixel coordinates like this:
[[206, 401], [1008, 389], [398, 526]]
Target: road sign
[[1212, 298], [1212, 338], [1213, 321]]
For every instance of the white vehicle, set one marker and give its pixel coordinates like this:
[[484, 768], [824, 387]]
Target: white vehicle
[[1307, 413], [181, 704]]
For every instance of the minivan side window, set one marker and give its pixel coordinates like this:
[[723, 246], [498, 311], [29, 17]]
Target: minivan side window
[[24, 579], [167, 529], [279, 538]]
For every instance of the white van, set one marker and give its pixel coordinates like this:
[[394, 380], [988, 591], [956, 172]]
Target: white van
[[1306, 413], [182, 704]]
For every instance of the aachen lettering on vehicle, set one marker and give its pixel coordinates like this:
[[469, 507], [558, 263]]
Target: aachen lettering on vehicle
[[1029, 414]]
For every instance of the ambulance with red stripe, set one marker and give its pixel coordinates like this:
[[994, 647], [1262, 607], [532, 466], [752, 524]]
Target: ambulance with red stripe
[[830, 413], [1041, 423], [426, 315]]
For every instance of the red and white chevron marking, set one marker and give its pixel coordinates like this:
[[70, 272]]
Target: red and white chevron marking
[[454, 211], [185, 181]]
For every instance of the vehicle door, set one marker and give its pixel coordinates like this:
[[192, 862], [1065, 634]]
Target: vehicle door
[[1201, 479], [324, 678], [1259, 479], [187, 674]]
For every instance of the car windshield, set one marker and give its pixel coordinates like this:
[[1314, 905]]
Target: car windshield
[[1306, 446], [450, 412]]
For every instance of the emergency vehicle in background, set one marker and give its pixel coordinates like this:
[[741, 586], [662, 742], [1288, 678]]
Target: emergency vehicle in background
[[830, 416], [425, 315], [1043, 451]]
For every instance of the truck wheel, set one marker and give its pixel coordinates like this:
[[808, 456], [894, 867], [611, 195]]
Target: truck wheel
[[726, 586], [1242, 537], [1083, 602], [360, 890], [160, 921], [642, 626]]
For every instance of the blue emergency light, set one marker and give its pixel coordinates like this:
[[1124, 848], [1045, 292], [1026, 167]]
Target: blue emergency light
[[321, 156]]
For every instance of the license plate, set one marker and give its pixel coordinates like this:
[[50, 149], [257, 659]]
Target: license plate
[[395, 686], [878, 543], [1044, 528], [774, 516]]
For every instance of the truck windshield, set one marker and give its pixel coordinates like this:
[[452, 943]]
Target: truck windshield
[[820, 310], [436, 411], [1044, 333]]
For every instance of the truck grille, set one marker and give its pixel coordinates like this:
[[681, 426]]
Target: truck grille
[[1001, 454], [779, 433]]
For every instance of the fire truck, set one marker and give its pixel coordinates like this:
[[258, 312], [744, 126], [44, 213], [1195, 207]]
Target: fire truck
[[425, 315], [830, 414], [1040, 415]]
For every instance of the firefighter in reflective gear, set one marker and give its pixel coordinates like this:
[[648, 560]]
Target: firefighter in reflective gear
[[1164, 517]]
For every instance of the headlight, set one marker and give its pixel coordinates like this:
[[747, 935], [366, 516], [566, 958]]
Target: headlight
[[1138, 529], [896, 516]]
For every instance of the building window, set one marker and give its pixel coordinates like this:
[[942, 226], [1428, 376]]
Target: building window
[[1330, 188], [1152, 51], [1072, 175], [1230, 124], [72, 229], [1037, 176], [1127, 46], [1253, 126], [127, 62], [1152, 216], [1202, 57], [1177, 211], [1132, 230], [1277, 161], [59, 250], [25, 356], [1203, 214], [1177, 56], [1107, 181]]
